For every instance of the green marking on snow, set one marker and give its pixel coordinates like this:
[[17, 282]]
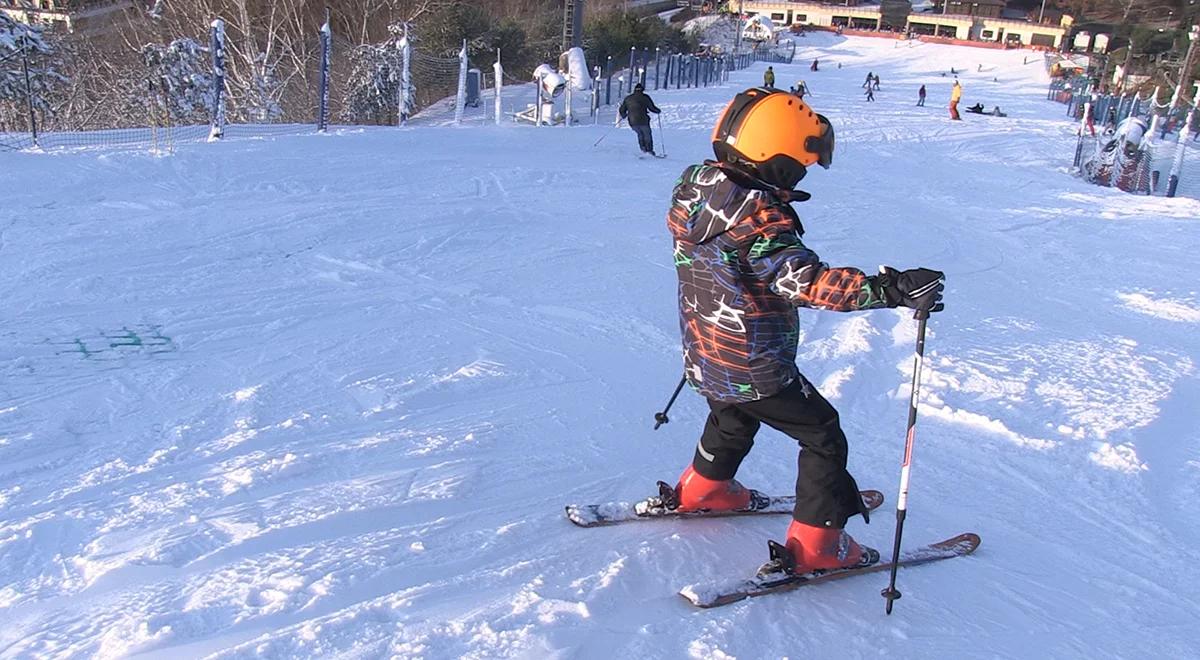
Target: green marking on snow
[[80, 348], [141, 339]]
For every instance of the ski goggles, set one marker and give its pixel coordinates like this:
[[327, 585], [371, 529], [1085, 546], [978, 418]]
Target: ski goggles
[[822, 145]]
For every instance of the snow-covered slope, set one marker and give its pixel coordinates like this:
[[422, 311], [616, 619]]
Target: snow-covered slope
[[325, 396]]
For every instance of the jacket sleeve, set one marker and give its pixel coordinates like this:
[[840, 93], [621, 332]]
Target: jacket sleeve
[[778, 257], [651, 107], [624, 109]]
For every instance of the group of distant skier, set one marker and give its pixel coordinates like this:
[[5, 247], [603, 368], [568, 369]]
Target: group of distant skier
[[636, 107]]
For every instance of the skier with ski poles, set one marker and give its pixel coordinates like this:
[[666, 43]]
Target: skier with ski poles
[[743, 272], [637, 108]]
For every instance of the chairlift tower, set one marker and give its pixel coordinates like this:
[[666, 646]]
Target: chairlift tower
[[572, 33]]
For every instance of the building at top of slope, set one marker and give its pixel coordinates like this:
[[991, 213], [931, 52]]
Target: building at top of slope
[[86, 16], [973, 20]]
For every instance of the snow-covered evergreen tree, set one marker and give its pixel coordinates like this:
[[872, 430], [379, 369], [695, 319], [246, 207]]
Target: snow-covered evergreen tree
[[182, 77], [261, 103], [373, 88], [14, 37]]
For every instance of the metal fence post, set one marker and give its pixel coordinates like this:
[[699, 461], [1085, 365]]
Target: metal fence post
[[1177, 165], [323, 86], [608, 84], [406, 95], [656, 64], [498, 68], [596, 96], [29, 91], [217, 129], [460, 97]]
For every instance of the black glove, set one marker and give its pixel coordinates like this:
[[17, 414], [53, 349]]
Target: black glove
[[919, 288]]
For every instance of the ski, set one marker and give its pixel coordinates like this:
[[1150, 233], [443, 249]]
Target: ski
[[723, 592], [612, 513]]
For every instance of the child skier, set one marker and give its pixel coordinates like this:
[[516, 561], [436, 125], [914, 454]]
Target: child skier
[[743, 271]]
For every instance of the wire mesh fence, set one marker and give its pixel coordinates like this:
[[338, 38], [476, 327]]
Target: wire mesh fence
[[1131, 141], [183, 91]]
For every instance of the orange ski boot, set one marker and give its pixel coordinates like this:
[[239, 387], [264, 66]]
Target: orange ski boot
[[695, 493], [810, 548]]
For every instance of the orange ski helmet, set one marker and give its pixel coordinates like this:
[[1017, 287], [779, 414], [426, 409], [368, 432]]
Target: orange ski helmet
[[774, 134]]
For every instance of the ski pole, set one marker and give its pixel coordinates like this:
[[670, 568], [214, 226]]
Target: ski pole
[[891, 593], [661, 141], [606, 134], [661, 418]]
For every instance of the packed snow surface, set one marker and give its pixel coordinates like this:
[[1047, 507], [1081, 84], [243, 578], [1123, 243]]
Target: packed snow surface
[[326, 395]]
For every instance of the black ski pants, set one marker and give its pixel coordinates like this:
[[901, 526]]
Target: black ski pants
[[645, 137], [826, 494]]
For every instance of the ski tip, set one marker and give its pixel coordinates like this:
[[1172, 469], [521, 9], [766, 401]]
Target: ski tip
[[872, 498], [707, 596], [963, 544], [582, 516]]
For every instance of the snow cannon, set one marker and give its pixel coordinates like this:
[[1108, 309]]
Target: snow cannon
[[573, 64], [1120, 158], [551, 83]]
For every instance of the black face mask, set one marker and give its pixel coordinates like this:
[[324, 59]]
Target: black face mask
[[782, 172], [747, 176]]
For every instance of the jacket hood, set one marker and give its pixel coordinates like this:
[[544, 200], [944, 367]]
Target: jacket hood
[[712, 198]]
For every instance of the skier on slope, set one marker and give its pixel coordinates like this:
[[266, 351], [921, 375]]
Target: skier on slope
[[769, 78], [637, 108], [955, 96], [743, 271]]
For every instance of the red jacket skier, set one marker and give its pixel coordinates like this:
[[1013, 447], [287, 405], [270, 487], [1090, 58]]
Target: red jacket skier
[[743, 271]]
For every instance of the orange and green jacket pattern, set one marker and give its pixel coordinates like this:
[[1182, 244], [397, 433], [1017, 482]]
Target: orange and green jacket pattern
[[743, 271]]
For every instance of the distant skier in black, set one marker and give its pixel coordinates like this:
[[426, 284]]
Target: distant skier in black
[[637, 108], [921, 96], [870, 94], [815, 65], [876, 84], [870, 78]]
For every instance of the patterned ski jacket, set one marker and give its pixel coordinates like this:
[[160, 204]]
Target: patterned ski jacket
[[742, 272]]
